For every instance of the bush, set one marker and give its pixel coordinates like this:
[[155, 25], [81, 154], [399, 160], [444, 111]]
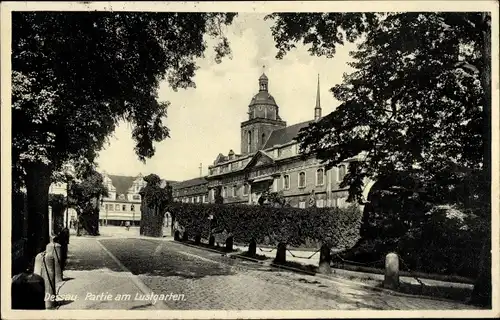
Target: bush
[[291, 226], [442, 244]]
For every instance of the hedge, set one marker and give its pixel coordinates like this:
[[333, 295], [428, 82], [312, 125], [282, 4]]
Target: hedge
[[291, 226]]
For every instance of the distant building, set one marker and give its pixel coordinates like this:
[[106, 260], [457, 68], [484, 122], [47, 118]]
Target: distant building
[[269, 161], [193, 190], [124, 201]]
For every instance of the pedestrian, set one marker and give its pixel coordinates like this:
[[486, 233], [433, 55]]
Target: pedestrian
[[127, 225]]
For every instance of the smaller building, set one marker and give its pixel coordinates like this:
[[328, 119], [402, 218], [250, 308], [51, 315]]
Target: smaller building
[[192, 191], [123, 202]]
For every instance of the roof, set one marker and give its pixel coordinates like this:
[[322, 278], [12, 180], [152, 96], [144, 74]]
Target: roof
[[263, 77], [122, 183], [190, 183], [263, 97], [285, 135]]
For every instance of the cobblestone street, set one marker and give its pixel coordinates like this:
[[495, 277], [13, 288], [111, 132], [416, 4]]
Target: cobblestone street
[[209, 280]]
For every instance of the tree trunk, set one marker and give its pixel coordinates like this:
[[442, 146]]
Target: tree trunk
[[481, 294], [281, 253], [325, 259], [37, 192], [252, 248]]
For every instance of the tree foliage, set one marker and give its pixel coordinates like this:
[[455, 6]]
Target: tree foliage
[[85, 196], [76, 75], [154, 201], [417, 105], [414, 100]]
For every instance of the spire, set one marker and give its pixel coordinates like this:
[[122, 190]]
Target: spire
[[317, 109]]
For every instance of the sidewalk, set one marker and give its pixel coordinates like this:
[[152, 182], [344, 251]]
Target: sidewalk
[[94, 280], [302, 258]]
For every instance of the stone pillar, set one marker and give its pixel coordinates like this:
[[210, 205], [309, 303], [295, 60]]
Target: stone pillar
[[325, 259], [48, 275], [55, 250], [249, 193], [391, 278]]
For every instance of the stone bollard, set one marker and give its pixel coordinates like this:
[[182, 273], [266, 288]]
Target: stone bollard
[[48, 274], [325, 259], [28, 292], [391, 278], [55, 248], [39, 267]]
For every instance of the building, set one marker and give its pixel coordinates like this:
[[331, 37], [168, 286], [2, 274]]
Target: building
[[123, 202], [193, 190], [270, 161]]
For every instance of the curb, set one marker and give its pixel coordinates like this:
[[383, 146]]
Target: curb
[[204, 248], [239, 256], [137, 282]]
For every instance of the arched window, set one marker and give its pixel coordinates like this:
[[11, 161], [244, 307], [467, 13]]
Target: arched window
[[302, 179], [320, 177], [286, 182]]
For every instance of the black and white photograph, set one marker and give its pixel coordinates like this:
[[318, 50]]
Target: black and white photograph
[[209, 160]]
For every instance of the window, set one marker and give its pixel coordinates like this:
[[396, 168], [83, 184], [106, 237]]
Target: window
[[117, 207], [320, 203], [302, 204], [286, 182], [342, 173], [233, 191], [320, 177], [302, 180], [224, 192], [124, 208], [245, 189], [249, 140], [198, 199], [132, 208], [204, 198], [138, 196]]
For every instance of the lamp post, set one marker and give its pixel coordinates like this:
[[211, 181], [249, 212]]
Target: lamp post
[[132, 207]]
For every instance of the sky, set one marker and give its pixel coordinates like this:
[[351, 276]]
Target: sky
[[205, 121]]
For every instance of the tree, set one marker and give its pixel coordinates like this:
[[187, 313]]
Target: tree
[[84, 197], [75, 75], [154, 201], [418, 103]]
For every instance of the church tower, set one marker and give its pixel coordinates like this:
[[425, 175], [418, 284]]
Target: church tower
[[263, 118]]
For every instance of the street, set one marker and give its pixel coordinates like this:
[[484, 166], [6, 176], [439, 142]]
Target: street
[[194, 279]]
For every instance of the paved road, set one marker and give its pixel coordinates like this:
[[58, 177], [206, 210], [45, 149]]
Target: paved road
[[209, 280]]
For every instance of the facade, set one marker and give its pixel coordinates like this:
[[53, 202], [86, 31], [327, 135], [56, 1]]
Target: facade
[[193, 190], [124, 201], [270, 161]]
